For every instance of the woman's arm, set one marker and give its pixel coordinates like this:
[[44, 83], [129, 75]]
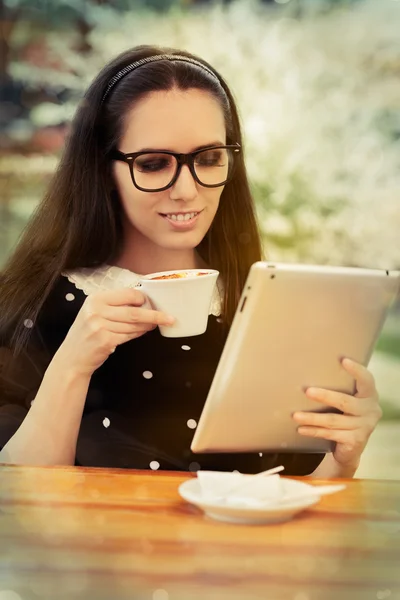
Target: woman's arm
[[330, 468], [49, 432]]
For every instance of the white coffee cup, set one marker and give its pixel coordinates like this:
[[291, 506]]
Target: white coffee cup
[[187, 298]]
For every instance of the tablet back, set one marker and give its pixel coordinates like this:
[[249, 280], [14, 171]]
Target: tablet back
[[293, 325]]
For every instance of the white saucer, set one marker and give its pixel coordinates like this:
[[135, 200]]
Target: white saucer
[[272, 513]]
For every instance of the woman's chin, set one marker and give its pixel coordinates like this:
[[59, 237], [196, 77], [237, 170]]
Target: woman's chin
[[183, 241]]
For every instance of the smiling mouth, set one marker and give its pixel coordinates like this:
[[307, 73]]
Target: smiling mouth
[[181, 217]]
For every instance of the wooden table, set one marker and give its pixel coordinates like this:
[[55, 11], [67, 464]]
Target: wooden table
[[102, 534]]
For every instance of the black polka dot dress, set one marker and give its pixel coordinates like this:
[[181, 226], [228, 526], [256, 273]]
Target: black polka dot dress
[[143, 403]]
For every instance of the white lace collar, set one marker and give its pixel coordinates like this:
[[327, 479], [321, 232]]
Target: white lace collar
[[103, 278]]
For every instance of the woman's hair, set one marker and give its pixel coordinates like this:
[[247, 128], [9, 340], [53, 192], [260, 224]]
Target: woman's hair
[[78, 223]]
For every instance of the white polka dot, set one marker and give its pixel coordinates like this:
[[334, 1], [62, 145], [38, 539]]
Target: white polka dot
[[106, 422], [154, 465], [32, 401], [194, 466], [160, 595], [28, 323], [260, 454], [184, 347], [192, 424], [147, 374], [219, 320], [70, 297]]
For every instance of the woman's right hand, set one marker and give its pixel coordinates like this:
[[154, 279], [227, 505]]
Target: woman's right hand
[[106, 320]]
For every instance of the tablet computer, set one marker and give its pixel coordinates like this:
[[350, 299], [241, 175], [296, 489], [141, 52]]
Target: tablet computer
[[292, 327]]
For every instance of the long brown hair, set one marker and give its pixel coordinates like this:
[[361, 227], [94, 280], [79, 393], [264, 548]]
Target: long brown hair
[[78, 223]]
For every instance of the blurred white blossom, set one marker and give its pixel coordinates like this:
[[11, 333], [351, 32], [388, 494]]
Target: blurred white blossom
[[319, 98]]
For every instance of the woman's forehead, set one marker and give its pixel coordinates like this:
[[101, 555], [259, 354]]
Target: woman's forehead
[[179, 120]]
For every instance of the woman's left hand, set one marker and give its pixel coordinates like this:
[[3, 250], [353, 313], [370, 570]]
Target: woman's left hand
[[351, 429]]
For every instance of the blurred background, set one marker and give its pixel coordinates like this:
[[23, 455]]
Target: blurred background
[[318, 88]]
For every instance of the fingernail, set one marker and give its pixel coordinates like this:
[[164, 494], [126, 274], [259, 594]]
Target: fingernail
[[312, 392], [169, 320]]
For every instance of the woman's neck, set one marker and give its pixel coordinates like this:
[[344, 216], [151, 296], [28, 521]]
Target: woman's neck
[[149, 258]]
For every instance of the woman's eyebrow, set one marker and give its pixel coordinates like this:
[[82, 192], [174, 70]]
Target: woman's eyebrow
[[210, 144]]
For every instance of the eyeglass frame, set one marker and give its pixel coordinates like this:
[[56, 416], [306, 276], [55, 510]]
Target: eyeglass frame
[[181, 159]]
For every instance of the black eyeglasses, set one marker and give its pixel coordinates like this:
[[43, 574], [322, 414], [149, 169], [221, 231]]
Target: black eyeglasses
[[155, 171]]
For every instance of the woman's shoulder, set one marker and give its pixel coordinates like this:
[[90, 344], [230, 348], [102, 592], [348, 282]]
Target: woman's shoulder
[[73, 286], [62, 303]]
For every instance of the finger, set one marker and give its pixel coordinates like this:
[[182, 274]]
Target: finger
[[343, 402], [127, 328], [350, 441], [340, 436], [320, 432], [136, 315], [365, 382], [327, 420]]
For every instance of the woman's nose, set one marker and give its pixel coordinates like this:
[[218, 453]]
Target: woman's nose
[[185, 187]]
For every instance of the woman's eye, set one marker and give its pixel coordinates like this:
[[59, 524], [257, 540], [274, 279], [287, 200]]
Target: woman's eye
[[210, 159], [152, 165]]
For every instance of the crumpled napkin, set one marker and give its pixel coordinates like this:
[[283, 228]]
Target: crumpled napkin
[[256, 491]]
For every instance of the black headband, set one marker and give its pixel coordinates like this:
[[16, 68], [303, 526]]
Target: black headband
[[143, 61]]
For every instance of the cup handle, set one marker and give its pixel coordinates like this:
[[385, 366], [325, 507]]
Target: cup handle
[[147, 304]]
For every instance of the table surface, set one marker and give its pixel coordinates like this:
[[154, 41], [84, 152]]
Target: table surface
[[107, 534]]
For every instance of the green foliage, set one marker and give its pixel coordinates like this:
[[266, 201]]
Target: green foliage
[[320, 6], [390, 344], [299, 207], [319, 110], [390, 411], [58, 13]]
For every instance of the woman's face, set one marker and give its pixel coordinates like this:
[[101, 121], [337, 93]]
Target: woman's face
[[177, 121]]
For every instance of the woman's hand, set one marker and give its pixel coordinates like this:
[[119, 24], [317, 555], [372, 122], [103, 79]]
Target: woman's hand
[[106, 320], [351, 429]]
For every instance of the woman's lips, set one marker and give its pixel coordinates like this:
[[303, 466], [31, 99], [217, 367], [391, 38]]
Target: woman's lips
[[182, 224]]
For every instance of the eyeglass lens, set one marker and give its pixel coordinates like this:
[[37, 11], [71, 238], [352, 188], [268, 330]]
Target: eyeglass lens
[[156, 170]]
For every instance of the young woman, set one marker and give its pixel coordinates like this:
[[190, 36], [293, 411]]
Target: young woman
[[152, 178]]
